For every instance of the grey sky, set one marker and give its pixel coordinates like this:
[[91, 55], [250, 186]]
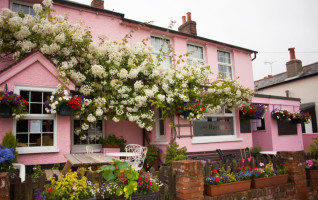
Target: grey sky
[[268, 26]]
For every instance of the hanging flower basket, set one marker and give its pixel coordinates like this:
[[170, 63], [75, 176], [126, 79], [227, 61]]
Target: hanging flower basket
[[186, 114], [214, 190], [65, 110], [147, 196], [5, 111], [269, 181]]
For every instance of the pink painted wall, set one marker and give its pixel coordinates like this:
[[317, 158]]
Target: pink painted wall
[[308, 140], [128, 130], [269, 140]]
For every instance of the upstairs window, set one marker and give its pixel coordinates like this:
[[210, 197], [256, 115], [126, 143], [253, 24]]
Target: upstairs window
[[225, 64], [26, 9], [161, 45], [196, 52]]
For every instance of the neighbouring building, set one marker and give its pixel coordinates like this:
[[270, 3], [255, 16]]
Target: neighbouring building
[[35, 77]]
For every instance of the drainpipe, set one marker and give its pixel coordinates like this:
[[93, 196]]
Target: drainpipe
[[254, 55]]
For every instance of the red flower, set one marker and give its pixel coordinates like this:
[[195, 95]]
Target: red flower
[[217, 179], [214, 171], [48, 190]]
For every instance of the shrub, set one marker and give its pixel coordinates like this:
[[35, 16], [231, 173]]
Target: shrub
[[10, 141], [175, 153]]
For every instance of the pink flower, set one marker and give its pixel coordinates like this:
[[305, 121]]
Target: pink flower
[[261, 164], [74, 187], [310, 162]]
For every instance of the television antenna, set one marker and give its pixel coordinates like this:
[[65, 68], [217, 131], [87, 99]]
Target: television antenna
[[271, 64]]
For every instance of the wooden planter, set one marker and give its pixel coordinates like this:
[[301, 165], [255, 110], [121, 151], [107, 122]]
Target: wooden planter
[[65, 110], [269, 181], [148, 196], [5, 111], [312, 174], [214, 190]]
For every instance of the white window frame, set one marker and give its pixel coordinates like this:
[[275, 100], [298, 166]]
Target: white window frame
[[42, 149], [78, 148], [200, 61], [157, 53], [224, 138], [225, 64], [21, 3]]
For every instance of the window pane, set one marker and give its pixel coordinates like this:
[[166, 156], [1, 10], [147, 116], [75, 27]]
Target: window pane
[[25, 9], [213, 126], [25, 95], [47, 140], [15, 7], [36, 108], [46, 96], [35, 140], [22, 126], [91, 136], [47, 126], [36, 96], [22, 140]]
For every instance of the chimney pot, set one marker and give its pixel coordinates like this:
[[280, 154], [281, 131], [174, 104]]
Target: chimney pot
[[183, 19], [292, 53], [188, 16], [98, 4]]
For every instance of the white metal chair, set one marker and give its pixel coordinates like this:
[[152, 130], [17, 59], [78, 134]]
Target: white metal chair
[[89, 149], [138, 160]]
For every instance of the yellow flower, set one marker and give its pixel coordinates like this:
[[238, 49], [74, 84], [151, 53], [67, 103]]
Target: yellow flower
[[135, 188], [125, 189]]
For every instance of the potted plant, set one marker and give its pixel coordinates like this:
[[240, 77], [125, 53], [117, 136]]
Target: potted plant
[[112, 143], [311, 169], [122, 182], [12, 104], [225, 181], [191, 110], [152, 159], [268, 176], [253, 112], [281, 115], [300, 117], [63, 103]]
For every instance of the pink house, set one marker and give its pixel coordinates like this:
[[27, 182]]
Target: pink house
[[35, 77]]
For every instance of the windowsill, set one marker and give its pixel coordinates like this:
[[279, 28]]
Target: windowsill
[[213, 139], [162, 142], [32, 150]]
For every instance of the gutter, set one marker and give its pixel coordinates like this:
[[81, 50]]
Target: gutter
[[255, 53]]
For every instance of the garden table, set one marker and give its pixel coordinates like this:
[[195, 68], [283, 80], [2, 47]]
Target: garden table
[[86, 160]]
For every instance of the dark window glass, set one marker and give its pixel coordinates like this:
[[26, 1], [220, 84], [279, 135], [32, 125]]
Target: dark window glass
[[35, 139], [36, 108], [213, 126], [47, 125], [22, 140], [36, 96], [47, 140], [286, 128], [22, 126]]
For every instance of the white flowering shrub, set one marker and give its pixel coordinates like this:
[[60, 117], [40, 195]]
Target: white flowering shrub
[[226, 92], [118, 81]]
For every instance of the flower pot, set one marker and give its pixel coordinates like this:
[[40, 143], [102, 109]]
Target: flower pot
[[269, 181], [214, 190], [65, 110], [5, 111], [186, 114], [312, 174], [140, 196]]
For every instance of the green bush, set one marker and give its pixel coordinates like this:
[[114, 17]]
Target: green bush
[[175, 153], [152, 155], [314, 147], [10, 141]]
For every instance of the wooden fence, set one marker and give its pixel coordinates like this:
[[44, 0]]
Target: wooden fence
[[28, 189], [311, 156]]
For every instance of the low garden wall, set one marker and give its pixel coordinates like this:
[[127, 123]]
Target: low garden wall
[[190, 182]]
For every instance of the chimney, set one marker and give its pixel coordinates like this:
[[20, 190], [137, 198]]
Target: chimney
[[294, 66], [189, 26], [98, 4]]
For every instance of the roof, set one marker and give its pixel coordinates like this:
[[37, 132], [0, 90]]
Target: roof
[[122, 16], [307, 71]]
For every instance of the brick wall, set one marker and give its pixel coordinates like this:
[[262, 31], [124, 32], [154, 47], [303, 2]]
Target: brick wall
[[4, 186]]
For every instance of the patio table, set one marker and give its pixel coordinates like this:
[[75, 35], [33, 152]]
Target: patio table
[[86, 160]]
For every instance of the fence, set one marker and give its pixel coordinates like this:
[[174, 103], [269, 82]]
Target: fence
[[311, 156], [28, 189]]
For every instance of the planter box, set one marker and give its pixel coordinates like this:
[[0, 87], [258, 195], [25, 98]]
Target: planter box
[[214, 190], [270, 181], [65, 110], [312, 174], [148, 196], [5, 111]]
